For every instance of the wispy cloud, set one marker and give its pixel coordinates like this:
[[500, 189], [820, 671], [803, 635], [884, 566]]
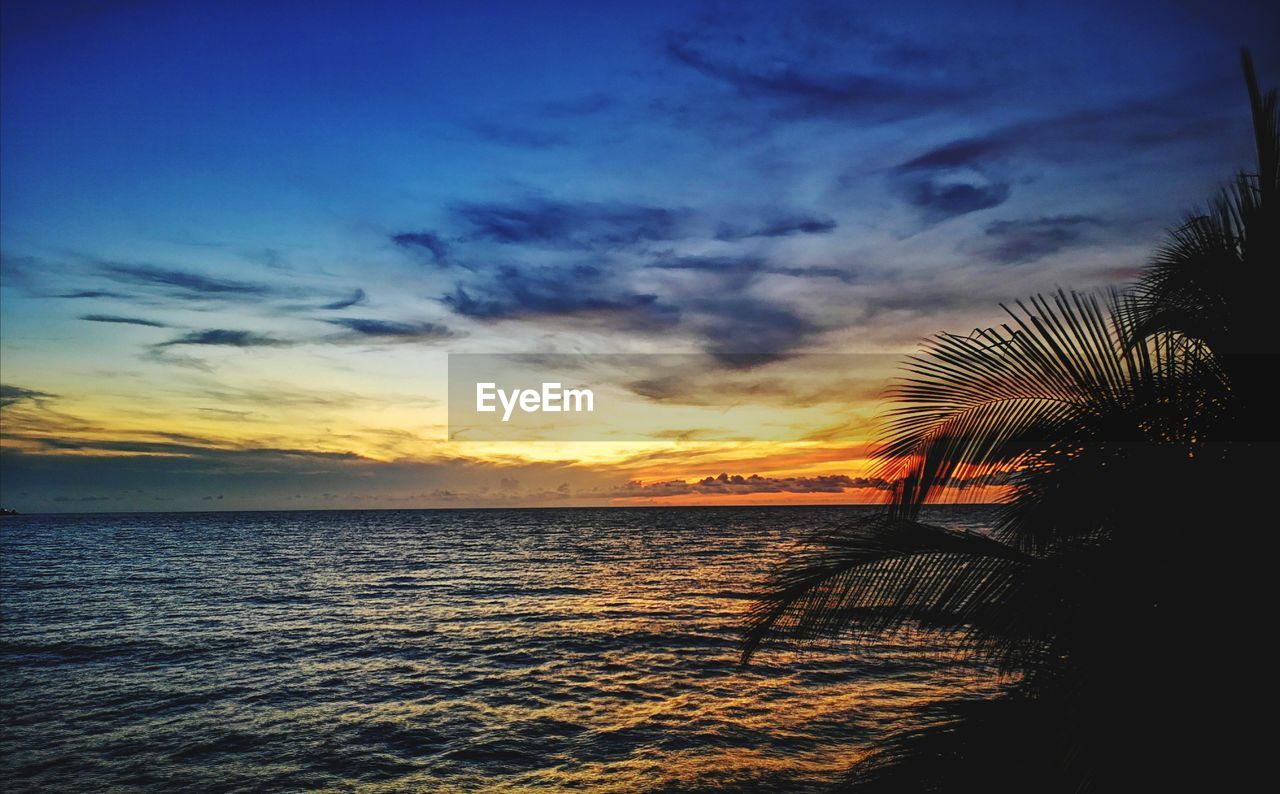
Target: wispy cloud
[[91, 293], [221, 337], [1017, 242], [180, 283], [12, 395], [568, 224], [796, 90], [394, 331], [510, 292], [113, 318], [747, 267], [778, 227], [358, 298], [941, 190], [429, 243]]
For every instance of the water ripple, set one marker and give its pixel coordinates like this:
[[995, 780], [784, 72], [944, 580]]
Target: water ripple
[[436, 650]]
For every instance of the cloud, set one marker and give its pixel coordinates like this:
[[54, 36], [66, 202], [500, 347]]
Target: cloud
[[801, 381], [112, 318], [739, 329], [845, 274], [946, 185], [964, 175], [91, 293], [358, 298], [570, 224], [386, 329], [735, 266], [806, 92], [736, 484], [939, 200], [750, 266], [12, 395], [183, 284], [744, 332], [1021, 241], [419, 242], [1118, 129], [221, 337], [780, 227], [509, 292], [164, 356], [964, 152]]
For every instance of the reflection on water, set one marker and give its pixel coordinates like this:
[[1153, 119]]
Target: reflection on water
[[450, 650]]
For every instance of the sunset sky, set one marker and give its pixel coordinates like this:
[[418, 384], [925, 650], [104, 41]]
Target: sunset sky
[[239, 240]]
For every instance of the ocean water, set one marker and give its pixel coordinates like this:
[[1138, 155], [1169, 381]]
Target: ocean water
[[591, 649]]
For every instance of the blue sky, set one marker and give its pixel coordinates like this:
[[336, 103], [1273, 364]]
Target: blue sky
[[265, 201]]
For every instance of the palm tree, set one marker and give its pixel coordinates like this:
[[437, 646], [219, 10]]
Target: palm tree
[[1215, 277], [1097, 593]]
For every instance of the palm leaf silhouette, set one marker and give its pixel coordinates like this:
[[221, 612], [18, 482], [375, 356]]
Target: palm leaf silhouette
[[1095, 411]]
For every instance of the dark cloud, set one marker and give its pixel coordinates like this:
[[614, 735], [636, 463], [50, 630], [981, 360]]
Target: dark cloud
[[221, 337], [964, 175], [719, 265], [939, 199], [945, 184], [1021, 241], [744, 332], [566, 224], [1116, 130], [385, 329], [424, 242], [845, 274], [749, 266], [959, 153], [781, 227], [736, 484], [12, 395], [970, 173], [183, 284], [661, 388], [165, 356], [91, 293], [112, 318], [357, 298], [509, 292], [803, 380], [789, 81], [739, 329]]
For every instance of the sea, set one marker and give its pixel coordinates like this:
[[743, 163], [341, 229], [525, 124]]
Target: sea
[[436, 650]]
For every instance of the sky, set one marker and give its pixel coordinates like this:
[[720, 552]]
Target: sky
[[238, 241]]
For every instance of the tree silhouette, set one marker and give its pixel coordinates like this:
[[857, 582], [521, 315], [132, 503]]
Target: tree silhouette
[[1109, 591]]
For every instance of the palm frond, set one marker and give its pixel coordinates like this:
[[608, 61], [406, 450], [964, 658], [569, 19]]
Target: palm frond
[[1062, 373], [883, 573], [1105, 416], [1215, 275]]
